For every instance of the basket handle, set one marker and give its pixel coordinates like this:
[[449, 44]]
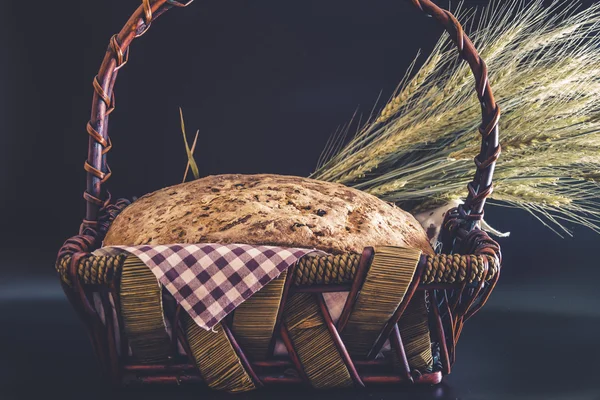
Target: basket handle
[[117, 54]]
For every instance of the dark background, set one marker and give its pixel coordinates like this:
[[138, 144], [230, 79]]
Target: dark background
[[266, 82]]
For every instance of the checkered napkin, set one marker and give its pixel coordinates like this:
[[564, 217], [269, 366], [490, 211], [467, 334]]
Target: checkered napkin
[[211, 280]]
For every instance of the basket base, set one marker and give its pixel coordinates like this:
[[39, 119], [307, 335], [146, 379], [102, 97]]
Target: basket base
[[178, 374]]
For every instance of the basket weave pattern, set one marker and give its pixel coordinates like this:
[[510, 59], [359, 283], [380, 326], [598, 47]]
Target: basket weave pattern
[[421, 324]]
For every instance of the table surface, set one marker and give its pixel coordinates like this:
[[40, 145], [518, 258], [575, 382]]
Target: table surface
[[543, 350]]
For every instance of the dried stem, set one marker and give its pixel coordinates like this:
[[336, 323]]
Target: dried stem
[[544, 65]]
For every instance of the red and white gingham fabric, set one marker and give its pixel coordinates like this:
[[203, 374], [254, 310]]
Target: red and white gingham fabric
[[211, 280]]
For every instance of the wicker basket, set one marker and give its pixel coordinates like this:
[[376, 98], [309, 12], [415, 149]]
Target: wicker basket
[[419, 326]]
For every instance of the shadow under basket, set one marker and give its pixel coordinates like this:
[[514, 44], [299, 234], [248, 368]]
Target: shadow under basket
[[403, 310]]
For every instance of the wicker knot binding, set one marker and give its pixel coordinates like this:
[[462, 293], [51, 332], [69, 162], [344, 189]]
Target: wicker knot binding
[[318, 270], [326, 270]]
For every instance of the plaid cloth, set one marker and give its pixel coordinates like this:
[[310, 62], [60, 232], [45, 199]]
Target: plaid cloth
[[211, 280]]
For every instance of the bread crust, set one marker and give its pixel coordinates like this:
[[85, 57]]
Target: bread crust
[[269, 210]]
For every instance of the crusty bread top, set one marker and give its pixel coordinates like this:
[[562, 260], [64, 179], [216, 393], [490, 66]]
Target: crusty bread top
[[266, 209]]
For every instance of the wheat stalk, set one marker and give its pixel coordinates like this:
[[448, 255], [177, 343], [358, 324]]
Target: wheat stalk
[[544, 65], [191, 163]]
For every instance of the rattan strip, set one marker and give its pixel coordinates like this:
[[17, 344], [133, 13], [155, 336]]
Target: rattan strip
[[316, 350], [92, 270], [414, 330], [339, 269], [386, 284], [216, 358], [324, 270], [142, 313], [254, 320], [443, 268]]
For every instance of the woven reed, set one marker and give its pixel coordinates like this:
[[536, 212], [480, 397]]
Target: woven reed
[[443, 268], [216, 358], [316, 350], [384, 288], [254, 320], [339, 269], [324, 270], [414, 330], [142, 312], [92, 270]]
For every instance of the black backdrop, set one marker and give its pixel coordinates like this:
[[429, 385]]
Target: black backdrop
[[266, 82]]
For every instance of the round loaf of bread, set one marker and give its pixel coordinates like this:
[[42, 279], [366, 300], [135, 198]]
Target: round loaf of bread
[[274, 210]]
